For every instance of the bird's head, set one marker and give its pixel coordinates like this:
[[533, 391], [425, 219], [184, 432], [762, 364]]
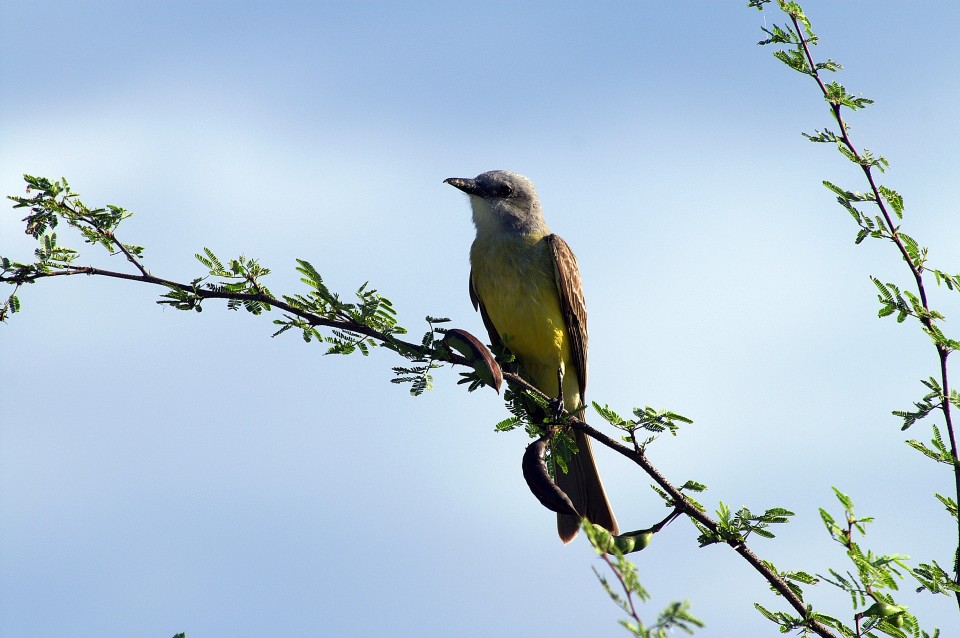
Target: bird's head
[[502, 201]]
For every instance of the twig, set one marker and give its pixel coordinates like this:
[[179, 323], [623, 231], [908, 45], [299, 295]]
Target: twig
[[203, 293], [639, 457], [916, 270], [133, 260], [626, 588]]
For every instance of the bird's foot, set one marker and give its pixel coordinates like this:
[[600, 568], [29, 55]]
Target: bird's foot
[[556, 404]]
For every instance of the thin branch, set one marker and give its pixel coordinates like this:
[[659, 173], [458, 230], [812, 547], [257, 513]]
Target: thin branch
[[865, 167], [639, 457], [133, 260], [623, 584], [103, 232], [916, 270], [204, 293]]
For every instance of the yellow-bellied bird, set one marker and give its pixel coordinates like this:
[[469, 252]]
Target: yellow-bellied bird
[[526, 285]]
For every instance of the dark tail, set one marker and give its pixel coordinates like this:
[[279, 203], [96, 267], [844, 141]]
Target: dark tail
[[582, 484]]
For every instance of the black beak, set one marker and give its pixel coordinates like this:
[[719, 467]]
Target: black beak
[[468, 186]]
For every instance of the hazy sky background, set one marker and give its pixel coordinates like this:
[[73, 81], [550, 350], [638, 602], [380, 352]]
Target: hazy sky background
[[164, 471]]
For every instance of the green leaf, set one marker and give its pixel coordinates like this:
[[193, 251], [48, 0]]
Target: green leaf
[[508, 424], [949, 504], [844, 500], [894, 199], [608, 415]]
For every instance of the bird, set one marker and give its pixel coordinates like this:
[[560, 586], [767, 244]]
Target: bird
[[525, 282]]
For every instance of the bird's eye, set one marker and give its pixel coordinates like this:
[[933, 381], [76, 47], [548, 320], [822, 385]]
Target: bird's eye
[[504, 190]]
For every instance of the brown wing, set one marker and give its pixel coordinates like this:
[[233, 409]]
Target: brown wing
[[571, 304], [491, 329]]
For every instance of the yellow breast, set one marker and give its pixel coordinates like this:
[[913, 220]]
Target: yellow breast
[[514, 278]]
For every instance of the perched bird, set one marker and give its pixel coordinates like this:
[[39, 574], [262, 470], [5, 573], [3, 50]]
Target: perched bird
[[525, 282]]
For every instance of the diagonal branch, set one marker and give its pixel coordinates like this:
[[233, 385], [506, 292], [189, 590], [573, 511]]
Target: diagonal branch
[[915, 269], [133, 260], [639, 457]]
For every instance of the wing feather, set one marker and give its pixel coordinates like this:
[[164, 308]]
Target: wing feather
[[571, 304]]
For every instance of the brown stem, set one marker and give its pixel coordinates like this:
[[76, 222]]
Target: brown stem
[[915, 269], [313, 319], [639, 457], [623, 584], [133, 260], [108, 234]]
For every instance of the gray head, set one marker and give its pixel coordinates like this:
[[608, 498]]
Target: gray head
[[503, 201]]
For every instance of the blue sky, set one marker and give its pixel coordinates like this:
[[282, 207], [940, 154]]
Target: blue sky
[[164, 471]]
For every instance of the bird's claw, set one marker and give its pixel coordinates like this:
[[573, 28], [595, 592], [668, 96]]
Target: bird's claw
[[556, 404]]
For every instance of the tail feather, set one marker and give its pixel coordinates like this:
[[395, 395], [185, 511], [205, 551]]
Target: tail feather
[[583, 485]]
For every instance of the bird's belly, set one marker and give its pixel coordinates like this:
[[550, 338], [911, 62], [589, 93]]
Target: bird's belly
[[522, 301], [527, 316]]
